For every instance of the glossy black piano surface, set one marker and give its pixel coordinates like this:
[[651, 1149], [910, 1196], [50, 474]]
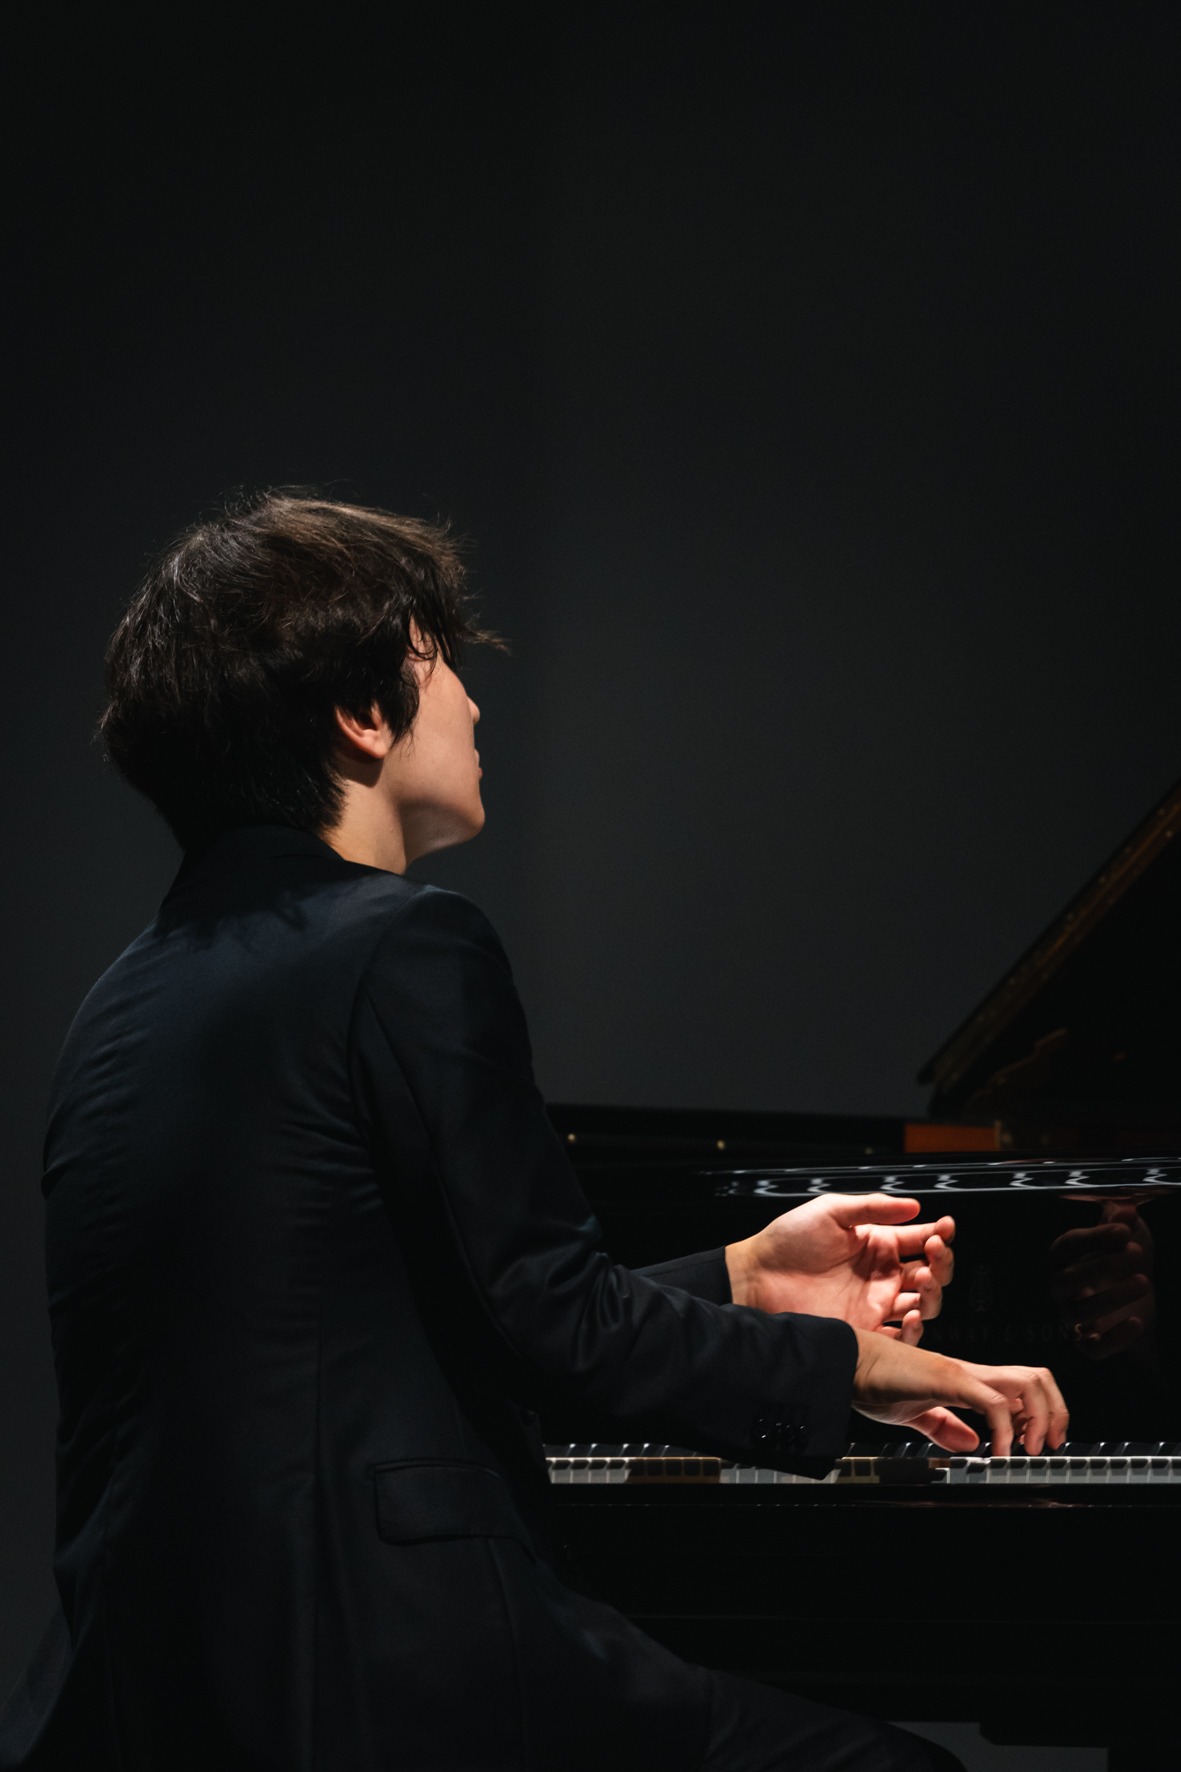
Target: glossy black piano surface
[[1022, 1225], [1043, 1591]]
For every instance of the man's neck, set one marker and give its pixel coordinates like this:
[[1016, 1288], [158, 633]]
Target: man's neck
[[369, 835]]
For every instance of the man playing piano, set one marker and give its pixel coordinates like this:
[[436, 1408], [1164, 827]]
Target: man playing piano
[[316, 1258]]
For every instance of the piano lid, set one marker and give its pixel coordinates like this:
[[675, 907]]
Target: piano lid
[[1086, 1023]]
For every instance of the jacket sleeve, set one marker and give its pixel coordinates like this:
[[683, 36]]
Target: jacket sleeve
[[443, 1080], [705, 1276]]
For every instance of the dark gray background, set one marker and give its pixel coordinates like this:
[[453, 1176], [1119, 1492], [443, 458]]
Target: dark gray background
[[804, 379]]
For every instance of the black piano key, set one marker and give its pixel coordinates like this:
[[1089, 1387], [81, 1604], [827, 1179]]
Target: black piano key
[[904, 1470]]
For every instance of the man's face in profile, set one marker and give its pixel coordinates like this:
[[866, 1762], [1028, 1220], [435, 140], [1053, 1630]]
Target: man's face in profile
[[434, 771]]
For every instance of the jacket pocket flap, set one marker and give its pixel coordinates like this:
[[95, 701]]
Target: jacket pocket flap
[[421, 1501]]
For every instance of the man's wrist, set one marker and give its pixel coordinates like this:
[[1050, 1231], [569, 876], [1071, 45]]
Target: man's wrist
[[745, 1270]]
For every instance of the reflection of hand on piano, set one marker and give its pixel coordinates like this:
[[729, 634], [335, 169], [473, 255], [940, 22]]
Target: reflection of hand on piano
[[854, 1256], [906, 1386], [1101, 1281]]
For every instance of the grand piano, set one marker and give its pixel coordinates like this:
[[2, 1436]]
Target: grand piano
[[1036, 1596]]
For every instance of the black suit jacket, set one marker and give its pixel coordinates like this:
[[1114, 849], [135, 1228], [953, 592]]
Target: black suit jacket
[[315, 1259]]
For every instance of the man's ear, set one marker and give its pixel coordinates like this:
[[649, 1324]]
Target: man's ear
[[367, 734]]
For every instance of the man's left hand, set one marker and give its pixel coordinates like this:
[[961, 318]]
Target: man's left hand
[[854, 1256]]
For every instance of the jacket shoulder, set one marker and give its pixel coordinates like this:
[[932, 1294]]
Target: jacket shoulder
[[422, 907]]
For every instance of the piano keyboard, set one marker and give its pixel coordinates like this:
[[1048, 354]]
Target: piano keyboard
[[1096, 1466]]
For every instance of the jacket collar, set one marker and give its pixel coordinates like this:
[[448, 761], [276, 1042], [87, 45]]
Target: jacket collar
[[245, 845], [261, 839]]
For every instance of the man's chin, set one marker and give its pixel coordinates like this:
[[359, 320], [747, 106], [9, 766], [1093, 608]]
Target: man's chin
[[456, 831]]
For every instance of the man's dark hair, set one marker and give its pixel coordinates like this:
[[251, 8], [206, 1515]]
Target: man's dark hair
[[246, 635]]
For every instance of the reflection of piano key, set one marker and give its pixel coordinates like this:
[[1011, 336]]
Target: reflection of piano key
[[1097, 1466]]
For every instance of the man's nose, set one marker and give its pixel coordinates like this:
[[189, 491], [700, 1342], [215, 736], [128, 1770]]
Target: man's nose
[[475, 711]]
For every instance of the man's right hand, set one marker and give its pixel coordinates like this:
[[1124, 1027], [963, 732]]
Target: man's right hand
[[911, 1387]]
